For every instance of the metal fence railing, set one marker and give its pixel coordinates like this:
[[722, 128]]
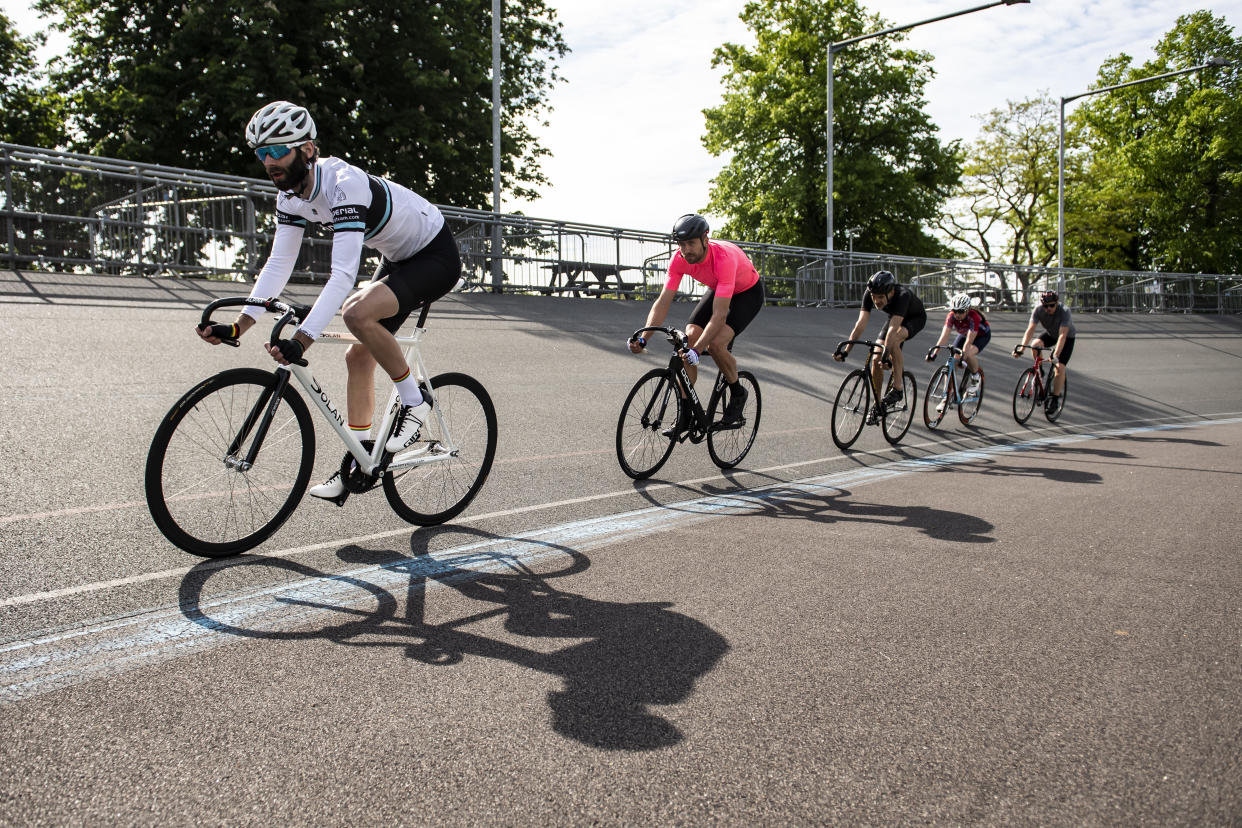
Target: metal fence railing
[[69, 212]]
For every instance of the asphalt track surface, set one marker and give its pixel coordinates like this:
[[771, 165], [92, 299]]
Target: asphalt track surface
[[992, 625]]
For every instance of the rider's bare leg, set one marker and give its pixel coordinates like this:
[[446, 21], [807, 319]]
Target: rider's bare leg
[[969, 352], [360, 382], [1058, 379], [719, 351]]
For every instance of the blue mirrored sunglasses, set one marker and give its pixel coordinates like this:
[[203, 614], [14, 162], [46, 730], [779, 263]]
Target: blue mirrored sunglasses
[[277, 151]]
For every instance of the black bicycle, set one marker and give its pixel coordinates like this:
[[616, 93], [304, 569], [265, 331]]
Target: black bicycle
[[647, 428], [853, 407], [944, 389]]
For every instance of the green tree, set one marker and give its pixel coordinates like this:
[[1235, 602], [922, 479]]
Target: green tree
[[1005, 208], [1164, 159], [29, 114], [891, 172], [403, 89]]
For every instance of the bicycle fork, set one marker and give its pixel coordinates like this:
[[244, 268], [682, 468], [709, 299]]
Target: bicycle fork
[[260, 415]]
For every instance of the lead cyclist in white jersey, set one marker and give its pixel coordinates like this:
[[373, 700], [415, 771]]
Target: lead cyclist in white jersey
[[420, 264]]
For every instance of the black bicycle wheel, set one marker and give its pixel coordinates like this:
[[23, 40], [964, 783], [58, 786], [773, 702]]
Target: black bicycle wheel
[[1051, 412], [727, 446], [897, 417], [939, 394], [436, 478], [971, 401], [849, 409], [1024, 396], [651, 407], [200, 493]]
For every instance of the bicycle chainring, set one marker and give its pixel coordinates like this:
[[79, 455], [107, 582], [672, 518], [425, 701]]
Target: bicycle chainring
[[355, 479]]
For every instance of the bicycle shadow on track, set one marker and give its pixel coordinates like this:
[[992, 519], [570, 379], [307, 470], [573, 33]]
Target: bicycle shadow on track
[[992, 467], [792, 501], [627, 658], [942, 524]]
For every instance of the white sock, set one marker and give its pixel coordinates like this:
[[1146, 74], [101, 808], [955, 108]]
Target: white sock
[[407, 389]]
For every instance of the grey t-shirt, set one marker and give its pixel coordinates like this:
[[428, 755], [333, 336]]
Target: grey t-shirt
[[1052, 322]]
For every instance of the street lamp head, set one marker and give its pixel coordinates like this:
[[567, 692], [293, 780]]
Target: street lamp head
[[1015, 2], [1218, 61]]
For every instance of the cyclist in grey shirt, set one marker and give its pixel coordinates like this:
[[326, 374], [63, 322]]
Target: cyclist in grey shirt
[[1058, 334]]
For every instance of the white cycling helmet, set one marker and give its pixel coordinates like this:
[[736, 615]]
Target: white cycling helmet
[[960, 302], [280, 122]]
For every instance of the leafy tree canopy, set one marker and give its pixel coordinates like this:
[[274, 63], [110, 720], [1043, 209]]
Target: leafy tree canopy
[[891, 172], [402, 89], [1004, 210], [28, 114], [1162, 160]]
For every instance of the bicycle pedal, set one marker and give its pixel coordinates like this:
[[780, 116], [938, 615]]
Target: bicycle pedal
[[339, 500]]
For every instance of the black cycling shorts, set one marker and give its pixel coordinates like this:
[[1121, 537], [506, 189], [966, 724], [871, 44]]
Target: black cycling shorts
[[742, 309], [912, 326], [421, 279], [981, 340], [1049, 340]]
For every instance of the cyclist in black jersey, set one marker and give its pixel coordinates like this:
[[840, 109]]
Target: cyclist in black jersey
[[420, 264], [906, 317]]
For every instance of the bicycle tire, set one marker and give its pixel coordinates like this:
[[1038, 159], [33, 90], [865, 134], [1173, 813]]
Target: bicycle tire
[[641, 448], [849, 409], [939, 389], [1051, 415], [199, 502], [729, 446], [432, 493], [968, 408], [896, 420], [1024, 396]]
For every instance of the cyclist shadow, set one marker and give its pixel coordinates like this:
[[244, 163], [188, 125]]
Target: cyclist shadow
[[1158, 437], [627, 658], [829, 504], [992, 467], [837, 506]]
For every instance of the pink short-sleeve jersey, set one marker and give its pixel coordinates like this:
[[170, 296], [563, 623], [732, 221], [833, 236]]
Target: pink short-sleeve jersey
[[726, 269]]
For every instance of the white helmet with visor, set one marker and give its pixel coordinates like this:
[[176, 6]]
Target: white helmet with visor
[[280, 122]]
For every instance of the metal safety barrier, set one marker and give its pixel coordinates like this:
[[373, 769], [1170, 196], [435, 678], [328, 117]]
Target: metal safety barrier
[[69, 212]]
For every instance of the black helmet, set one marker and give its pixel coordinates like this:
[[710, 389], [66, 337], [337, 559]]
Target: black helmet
[[690, 226], [1048, 297], [881, 282]]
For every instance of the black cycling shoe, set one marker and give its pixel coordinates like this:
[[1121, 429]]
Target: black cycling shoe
[[893, 397], [733, 411], [678, 428]]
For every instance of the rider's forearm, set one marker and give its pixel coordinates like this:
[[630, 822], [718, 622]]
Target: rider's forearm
[[659, 309]]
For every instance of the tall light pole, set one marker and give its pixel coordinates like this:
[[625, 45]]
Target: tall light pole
[[833, 48], [1061, 139], [497, 270]]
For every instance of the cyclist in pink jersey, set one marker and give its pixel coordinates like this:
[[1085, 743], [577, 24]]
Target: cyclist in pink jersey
[[733, 298]]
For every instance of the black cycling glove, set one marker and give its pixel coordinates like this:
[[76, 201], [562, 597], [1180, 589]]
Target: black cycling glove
[[292, 350]]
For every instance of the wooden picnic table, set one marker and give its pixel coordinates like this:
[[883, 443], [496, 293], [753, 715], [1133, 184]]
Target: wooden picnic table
[[569, 275]]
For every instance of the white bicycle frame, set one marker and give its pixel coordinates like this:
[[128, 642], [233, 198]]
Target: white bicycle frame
[[444, 448]]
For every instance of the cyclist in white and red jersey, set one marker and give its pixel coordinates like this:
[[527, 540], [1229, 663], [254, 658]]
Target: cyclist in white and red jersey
[[733, 298], [420, 264], [973, 335]]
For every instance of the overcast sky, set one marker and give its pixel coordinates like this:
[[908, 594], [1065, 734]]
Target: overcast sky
[[627, 126]]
